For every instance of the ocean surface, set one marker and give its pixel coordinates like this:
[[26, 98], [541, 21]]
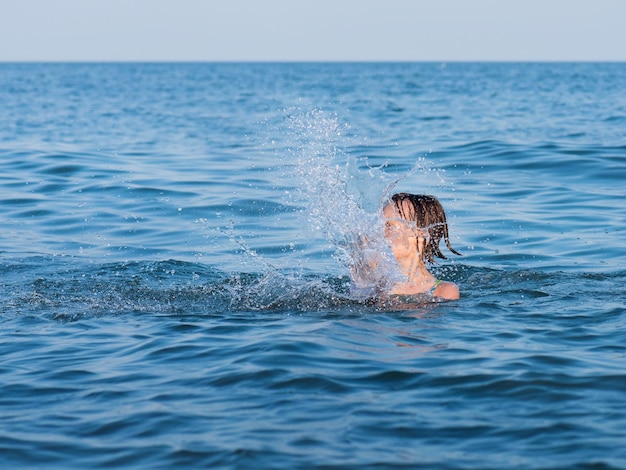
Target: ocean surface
[[173, 266]]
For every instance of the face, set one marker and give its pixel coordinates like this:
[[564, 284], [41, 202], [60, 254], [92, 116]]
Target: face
[[403, 235]]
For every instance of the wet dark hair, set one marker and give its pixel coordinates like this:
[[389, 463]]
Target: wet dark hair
[[428, 213]]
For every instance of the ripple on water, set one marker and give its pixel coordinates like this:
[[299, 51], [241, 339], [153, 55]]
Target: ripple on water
[[171, 299]]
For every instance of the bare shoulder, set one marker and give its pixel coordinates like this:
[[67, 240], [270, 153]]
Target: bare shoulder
[[447, 290]]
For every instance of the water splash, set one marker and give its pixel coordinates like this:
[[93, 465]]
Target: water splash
[[338, 196], [343, 195], [276, 289]]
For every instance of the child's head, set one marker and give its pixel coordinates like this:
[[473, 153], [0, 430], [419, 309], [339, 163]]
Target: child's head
[[428, 214]]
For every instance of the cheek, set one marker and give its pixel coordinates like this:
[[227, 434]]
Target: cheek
[[394, 235], [401, 243]]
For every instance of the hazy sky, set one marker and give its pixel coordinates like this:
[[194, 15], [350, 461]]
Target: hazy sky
[[337, 30]]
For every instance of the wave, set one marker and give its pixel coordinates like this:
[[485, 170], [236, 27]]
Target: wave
[[68, 289]]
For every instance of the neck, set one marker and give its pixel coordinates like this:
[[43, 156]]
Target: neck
[[415, 271]]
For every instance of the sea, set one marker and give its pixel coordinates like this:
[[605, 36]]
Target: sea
[[175, 251]]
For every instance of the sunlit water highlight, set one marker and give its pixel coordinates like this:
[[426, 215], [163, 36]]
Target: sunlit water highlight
[[176, 248]]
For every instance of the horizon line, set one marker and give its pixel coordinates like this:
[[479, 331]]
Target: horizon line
[[307, 61]]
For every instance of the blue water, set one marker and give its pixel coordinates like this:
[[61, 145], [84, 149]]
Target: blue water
[[173, 279]]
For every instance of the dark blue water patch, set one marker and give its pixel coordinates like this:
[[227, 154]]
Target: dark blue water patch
[[546, 160], [435, 118], [61, 170], [22, 201], [617, 118]]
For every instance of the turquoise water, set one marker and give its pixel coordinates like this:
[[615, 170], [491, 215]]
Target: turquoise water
[[173, 283]]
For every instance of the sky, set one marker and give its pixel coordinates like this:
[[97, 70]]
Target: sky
[[312, 30]]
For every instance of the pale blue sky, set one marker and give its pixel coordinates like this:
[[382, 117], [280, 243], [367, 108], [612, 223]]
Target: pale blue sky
[[336, 30]]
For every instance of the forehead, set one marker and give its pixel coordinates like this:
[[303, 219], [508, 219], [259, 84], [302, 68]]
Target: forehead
[[391, 211]]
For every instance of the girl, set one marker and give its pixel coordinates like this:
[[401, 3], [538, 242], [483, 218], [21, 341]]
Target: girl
[[414, 226]]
